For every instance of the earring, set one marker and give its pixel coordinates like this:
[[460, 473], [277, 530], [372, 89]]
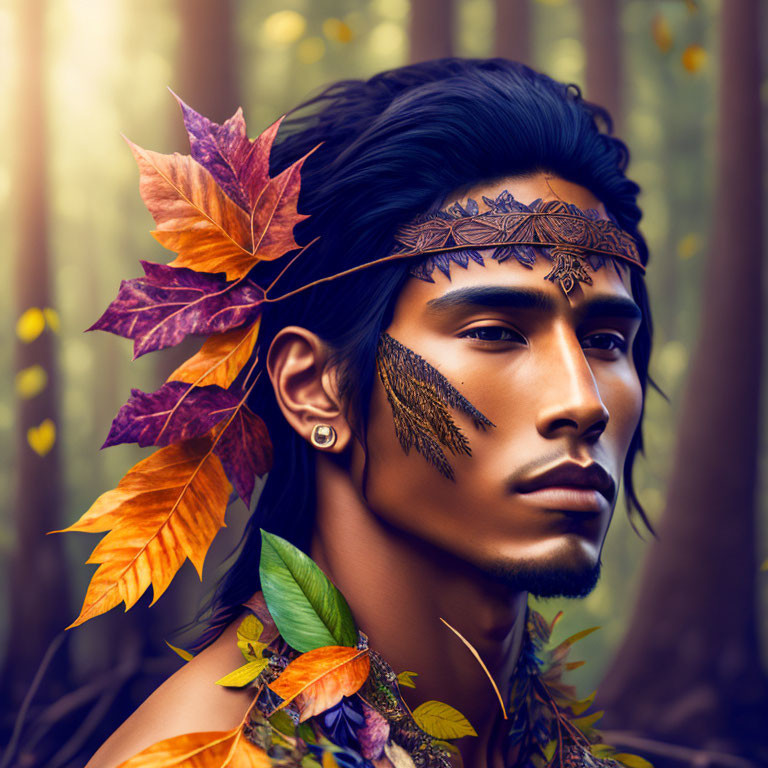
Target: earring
[[323, 436]]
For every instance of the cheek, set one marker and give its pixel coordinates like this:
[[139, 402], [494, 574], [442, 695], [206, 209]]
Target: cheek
[[624, 400]]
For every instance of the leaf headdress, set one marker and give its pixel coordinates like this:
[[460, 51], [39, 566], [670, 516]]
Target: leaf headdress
[[222, 214]]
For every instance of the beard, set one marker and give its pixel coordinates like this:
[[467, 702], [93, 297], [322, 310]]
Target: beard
[[546, 580]]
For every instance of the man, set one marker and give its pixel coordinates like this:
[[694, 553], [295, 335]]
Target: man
[[450, 426]]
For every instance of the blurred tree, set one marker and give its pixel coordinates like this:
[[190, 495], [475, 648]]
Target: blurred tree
[[603, 42], [39, 601], [512, 30], [689, 669], [431, 30]]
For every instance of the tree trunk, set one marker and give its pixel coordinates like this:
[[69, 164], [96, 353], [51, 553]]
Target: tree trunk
[[603, 43], [689, 669], [512, 33], [39, 602], [431, 29]]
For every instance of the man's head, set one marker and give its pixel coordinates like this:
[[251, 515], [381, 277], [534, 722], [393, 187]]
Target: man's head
[[395, 147]]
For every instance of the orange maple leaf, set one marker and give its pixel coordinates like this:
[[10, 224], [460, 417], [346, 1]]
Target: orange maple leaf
[[220, 358], [193, 215], [318, 679], [166, 509], [212, 749]]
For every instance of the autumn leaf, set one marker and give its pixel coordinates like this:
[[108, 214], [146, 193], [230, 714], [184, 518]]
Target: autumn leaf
[[442, 721], [244, 675], [41, 438], [194, 217], [186, 655], [220, 359], [212, 749], [406, 679], [160, 309], [166, 509], [318, 679], [309, 611], [694, 58]]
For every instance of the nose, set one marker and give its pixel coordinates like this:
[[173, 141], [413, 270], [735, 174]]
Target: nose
[[570, 399]]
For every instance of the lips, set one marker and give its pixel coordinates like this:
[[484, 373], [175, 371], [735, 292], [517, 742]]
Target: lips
[[573, 477]]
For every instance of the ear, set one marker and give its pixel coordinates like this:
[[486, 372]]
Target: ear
[[305, 384]]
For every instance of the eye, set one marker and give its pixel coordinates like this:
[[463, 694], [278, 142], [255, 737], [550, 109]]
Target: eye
[[605, 342], [492, 333]]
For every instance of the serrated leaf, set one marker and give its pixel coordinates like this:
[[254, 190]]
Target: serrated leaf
[[442, 720], [244, 675], [307, 608], [220, 359], [318, 679], [213, 749], [166, 509], [186, 655], [406, 679]]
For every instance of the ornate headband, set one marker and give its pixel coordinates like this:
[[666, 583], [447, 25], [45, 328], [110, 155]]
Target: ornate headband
[[564, 233], [222, 214]]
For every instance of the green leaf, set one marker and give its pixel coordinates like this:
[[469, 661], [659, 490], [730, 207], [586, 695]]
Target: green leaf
[[580, 706], [186, 655], [585, 723], [307, 733], [281, 722], [308, 609], [442, 721], [406, 679], [631, 761], [248, 634], [243, 675], [549, 749]]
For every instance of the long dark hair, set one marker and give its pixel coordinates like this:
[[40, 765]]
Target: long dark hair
[[390, 147]]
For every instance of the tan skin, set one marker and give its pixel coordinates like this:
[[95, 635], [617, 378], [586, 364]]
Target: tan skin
[[556, 377]]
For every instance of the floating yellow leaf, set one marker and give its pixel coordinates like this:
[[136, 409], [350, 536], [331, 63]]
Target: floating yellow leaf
[[442, 721], [337, 30], [166, 509], [662, 33], [186, 655], [52, 319], [406, 679], [31, 381], [694, 58], [244, 675], [284, 27], [688, 246], [220, 358], [318, 679], [42, 437], [31, 324], [212, 749]]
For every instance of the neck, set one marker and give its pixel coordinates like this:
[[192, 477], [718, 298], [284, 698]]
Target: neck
[[399, 588]]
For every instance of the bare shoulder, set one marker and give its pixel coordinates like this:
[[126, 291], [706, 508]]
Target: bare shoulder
[[187, 702]]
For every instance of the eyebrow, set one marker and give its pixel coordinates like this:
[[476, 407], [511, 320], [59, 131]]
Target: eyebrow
[[482, 297]]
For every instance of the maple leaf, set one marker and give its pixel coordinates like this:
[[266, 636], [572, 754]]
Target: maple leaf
[[166, 509], [194, 217], [176, 411], [169, 303], [220, 359], [212, 749], [318, 679]]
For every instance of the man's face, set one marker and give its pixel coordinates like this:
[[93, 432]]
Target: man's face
[[554, 373]]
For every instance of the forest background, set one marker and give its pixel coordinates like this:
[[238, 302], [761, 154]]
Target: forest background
[[75, 74]]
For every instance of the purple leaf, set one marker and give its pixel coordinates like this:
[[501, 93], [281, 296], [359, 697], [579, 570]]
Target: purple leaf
[[239, 166], [170, 414], [169, 303], [245, 450], [373, 735]]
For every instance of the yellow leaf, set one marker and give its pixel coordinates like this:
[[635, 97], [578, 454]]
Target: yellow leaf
[[244, 675], [582, 705], [406, 679], [442, 721], [549, 749], [213, 749], [31, 381], [248, 634], [329, 761], [694, 58], [186, 655], [194, 217], [31, 324], [42, 437], [585, 723], [166, 509], [284, 27], [52, 319], [220, 358], [631, 761], [318, 679], [662, 33]]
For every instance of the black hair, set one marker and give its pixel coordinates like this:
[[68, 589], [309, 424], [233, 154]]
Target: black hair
[[389, 148]]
